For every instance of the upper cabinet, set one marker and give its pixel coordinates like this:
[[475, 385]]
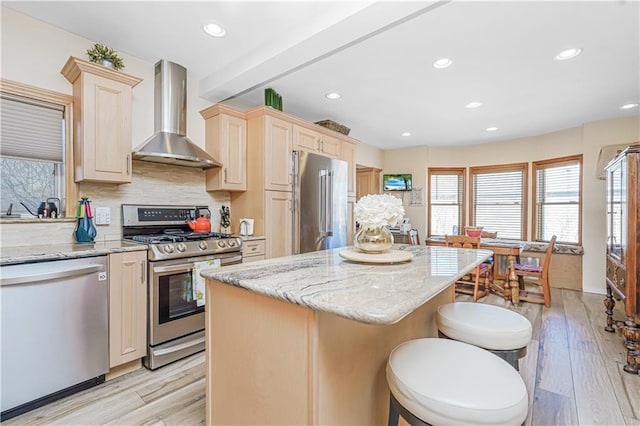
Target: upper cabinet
[[305, 139], [277, 149], [226, 141], [101, 121], [367, 181], [349, 155]]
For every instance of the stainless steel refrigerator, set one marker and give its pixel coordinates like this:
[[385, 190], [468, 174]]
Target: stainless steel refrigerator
[[320, 202]]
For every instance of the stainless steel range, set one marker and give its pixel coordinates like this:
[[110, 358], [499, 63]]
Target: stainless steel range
[[176, 321]]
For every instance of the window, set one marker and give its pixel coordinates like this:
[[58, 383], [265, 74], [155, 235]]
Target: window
[[557, 189], [498, 199], [446, 201], [33, 147]]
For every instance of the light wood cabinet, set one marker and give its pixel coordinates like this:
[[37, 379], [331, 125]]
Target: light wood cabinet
[[278, 147], [127, 307], [253, 250], [226, 141], [278, 229], [367, 181], [623, 250], [101, 121], [272, 136], [305, 139], [349, 155]]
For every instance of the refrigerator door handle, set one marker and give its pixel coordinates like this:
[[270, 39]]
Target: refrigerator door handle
[[322, 222], [328, 227]]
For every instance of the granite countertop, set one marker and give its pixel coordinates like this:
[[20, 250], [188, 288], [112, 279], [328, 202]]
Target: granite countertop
[[369, 293], [40, 253], [251, 237]]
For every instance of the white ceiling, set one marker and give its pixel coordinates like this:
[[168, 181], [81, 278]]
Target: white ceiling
[[379, 56]]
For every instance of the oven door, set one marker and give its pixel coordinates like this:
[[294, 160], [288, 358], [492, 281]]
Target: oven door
[[173, 312]]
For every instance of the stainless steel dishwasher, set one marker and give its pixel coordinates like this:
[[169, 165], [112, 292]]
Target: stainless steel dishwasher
[[55, 332]]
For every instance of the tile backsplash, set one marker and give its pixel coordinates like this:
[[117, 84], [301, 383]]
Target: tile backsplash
[[152, 183]]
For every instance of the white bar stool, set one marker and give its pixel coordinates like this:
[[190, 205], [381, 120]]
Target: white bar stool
[[498, 330], [440, 381]]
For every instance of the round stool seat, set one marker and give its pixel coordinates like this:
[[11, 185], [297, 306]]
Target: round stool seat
[[443, 381], [487, 326]]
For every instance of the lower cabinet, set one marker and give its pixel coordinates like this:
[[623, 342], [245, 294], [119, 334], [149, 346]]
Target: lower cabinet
[[127, 307], [253, 250], [278, 219]]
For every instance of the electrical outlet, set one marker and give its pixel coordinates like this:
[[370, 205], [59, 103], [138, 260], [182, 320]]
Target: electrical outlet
[[103, 215]]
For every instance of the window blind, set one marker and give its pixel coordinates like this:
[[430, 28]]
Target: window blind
[[558, 202], [446, 202], [498, 202], [31, 129]]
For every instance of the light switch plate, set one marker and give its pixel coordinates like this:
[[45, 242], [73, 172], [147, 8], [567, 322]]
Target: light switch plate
[[103, 215]]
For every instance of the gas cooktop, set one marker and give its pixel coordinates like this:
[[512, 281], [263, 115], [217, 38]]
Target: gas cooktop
[[176, 237]]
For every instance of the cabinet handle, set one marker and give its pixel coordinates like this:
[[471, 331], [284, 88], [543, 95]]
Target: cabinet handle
[[322, 145], [143, 270], [128, 164], [225, 175], [318, 145]]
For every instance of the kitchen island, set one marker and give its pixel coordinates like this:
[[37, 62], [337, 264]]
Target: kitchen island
[[304, 339]]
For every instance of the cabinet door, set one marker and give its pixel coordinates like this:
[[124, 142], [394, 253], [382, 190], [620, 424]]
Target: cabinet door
[[127, 307], [103, 134], [305, 139], [278, 224], [349, 155], [226, 139], [277, 155], [330, 147]]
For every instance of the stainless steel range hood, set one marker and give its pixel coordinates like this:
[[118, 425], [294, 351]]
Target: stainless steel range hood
[[170, 144]]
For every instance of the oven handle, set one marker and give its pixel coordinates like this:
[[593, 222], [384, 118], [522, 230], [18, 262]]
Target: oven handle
[[186, 267], [158, 352]]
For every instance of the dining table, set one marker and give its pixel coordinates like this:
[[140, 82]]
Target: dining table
[[509, 288]]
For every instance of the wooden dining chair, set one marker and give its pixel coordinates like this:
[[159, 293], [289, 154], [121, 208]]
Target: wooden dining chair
[[537, 275], [470, 284], [413, 237]]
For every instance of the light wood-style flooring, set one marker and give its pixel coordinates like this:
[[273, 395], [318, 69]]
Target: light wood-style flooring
[[573, 371]]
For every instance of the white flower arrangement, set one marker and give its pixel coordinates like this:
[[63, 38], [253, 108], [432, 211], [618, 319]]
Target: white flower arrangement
[[378, 210]]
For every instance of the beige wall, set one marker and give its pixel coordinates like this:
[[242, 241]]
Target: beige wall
[[369, 156], [586, 139], [410, 160], [33, 53]]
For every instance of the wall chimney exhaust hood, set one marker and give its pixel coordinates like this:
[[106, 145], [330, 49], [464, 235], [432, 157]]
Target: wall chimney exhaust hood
[[170, 144]]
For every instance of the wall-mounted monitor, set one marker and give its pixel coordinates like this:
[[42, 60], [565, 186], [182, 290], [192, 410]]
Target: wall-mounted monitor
[[400, 182]]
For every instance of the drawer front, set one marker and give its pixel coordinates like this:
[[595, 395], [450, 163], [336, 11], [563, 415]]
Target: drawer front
[[248, 259], [253, 248]]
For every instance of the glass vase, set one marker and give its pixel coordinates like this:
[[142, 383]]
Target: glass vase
[[373, 240]]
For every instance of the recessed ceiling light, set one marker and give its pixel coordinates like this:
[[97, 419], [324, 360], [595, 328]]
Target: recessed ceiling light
[[442, 63], [333, 95], [491, 129], [214, 30], [628, 106], [406, 134], [474, 104], [568, 54]]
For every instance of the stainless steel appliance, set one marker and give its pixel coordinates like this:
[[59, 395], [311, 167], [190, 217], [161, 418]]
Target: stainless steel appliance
[[176, 322], [55, 332], [320, 202], [169, 144]]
